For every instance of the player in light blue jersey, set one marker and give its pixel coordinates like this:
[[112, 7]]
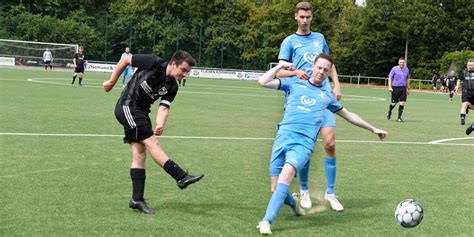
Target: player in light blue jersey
[[303, 117], [300, 49], [128, 72]]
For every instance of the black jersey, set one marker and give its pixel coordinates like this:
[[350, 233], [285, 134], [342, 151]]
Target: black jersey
[[80, 59], [451, 81], [149, 83], [468, 81]]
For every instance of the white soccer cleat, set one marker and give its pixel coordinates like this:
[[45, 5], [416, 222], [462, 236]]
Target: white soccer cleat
[[305, 200], [335, 204], [264, 227], [297, 208]]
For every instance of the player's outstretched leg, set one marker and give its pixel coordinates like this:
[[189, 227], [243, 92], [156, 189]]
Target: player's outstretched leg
[[470, 129], [330, 167], [303, 176]]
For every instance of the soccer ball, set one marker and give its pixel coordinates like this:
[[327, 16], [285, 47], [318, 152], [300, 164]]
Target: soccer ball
[[409, 213]]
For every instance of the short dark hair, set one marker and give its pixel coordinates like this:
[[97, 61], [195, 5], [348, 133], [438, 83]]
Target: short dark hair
[[401, 58], [305, 6], [325, 56], [470, 60], [181, 56]]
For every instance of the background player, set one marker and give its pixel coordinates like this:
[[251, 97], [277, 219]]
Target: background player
[[451, 81], [47, 59], [80, 60], [127, 73], [467, 96]]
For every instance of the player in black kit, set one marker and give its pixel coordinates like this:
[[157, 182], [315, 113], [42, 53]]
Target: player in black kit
[[155, 78], [467, 96], [80, 60]]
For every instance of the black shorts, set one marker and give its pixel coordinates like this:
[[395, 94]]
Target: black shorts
[[47, 62], [451, 87], [135, 121], [79, 70], [399, 94], [468, 96]]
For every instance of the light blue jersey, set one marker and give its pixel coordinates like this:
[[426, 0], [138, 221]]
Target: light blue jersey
[[305, 111], [301, 50], [305, 106]]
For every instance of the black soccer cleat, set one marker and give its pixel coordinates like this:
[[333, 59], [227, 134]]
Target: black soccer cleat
[[463, 121], [188, 179], [389, 115], [469, 129], [141, 206]]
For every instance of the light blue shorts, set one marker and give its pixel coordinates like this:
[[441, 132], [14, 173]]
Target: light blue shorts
[[329, 119], [292, 148]]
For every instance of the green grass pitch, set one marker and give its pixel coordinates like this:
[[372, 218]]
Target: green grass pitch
[[64, 170]]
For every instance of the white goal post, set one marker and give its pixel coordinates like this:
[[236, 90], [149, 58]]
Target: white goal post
[[21, 48]]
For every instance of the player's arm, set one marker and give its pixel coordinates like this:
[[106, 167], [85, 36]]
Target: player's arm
[[458, 83], [358, 121], [268, 79], [289, 73], [121, 65], [390, 84], [74, 61], [408, 85], [336, 90], [161, 117]]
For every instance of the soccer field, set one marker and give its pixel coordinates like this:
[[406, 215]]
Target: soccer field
[[65, 170]]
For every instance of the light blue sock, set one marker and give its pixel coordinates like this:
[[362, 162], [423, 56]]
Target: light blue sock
[[303, 176], [330, 167], [276, 201], [123, 79]]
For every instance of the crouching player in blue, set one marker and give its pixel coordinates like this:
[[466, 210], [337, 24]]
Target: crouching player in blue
[[299, 129]]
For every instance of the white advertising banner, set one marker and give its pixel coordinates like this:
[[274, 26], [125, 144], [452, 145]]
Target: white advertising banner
[[99, 67], [225, 74], [7, 61]]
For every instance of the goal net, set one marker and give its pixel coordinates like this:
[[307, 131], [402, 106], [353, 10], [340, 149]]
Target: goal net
[[16, 48], [31, 53]]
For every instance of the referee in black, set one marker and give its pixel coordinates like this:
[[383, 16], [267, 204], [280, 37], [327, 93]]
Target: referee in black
[[155, 78]]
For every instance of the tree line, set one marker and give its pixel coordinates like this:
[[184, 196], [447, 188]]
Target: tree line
[[241, 34]]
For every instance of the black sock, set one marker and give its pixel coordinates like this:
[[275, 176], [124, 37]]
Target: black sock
[[390, 108], [80, 80], [400, 110], [46, 67], [51, 67], [138, 183], [174, 170], [463, 117], [184, 82], [451, 95], [73, 79]]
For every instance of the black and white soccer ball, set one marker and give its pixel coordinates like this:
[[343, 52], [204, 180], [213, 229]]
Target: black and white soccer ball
[[409, 213]]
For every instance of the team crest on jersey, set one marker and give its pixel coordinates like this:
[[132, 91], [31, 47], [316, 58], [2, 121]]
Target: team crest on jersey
[[322, 94], [309, 58], [307, 101], [162, 91]]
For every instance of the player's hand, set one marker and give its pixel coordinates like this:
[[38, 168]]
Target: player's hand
[[390, 89], [108, 85], [302, 75], [381, 133], [158, 130], [336, 91], [408, 91]]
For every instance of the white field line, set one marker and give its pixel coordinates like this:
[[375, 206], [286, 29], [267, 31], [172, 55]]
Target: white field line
[[438, 142], [207, 87]]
